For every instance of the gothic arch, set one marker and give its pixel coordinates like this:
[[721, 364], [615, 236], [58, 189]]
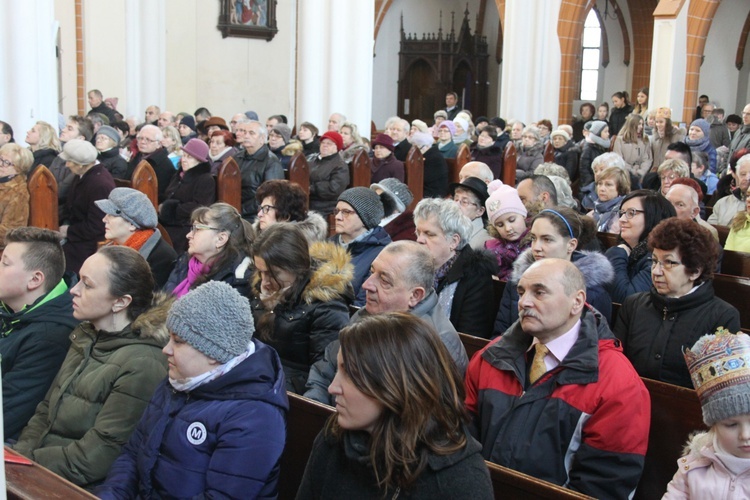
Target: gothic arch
[[742, 43]]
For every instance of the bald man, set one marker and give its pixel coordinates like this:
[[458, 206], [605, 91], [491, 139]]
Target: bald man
[[476, 169], [555, 397]]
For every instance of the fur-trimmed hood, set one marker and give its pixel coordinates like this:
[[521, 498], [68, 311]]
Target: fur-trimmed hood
[[292, 148], [331, 278], [153, 322], [595, 267]]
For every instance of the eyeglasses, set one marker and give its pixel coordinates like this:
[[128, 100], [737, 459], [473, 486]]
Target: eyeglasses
[[6, 163], [465, 202], [629, 213], [665, 265], [198, 227], [669, 177], [265, 208], [145, 139], [345, 212]]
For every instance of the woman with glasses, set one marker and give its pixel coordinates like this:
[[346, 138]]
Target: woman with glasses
[[463, 280], [559, 233], [218, 250], [299, 297], [191, 187], [15, 162], [358, 213], [470, 196], [531, 153], [283, 201], [670, 170], [679, 307], [640, 212]]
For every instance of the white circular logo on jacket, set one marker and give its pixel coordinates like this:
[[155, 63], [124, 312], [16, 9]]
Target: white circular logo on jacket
[[196, 433]]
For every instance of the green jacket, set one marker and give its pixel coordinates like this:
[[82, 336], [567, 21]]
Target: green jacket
[[97, 398]]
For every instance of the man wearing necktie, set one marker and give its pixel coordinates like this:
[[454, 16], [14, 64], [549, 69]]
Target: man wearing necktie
[[555, 397]]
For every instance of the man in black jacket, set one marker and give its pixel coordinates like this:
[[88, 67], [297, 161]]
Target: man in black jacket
[[96, 101], [150, 149], [257, 163], [36, 318]]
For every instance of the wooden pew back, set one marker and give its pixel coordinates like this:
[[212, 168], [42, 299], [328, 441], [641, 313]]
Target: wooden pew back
[[723, 233], [736, 291], [549, 152], [510, 161], [608, 240], [675, 413], [31, 482], [299, 172], [453, 172], [229, 184], [144, 180], [414, 175], [736, 263], [463, 156], [360, 171], [43, 199]]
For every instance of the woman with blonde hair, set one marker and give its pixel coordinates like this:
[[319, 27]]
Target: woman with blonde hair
[[665, 133], [172, 142], [400, 424], [353, 142], [44, 144], [634, 147], [15, 162]]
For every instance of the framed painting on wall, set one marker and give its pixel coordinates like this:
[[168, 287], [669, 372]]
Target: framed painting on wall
[[248, 18]]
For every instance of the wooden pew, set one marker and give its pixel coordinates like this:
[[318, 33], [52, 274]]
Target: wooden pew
[[306, 418], [608, 240], [462, 158], [723, 233], [43, 199], [736, 263], [414, 175], [453, 172], [31, 482], [472, 344], [229, 184], [549, 152], [299, 172], [360, 171], [736, 291], [675, 413], [510, 160], [144, 180]]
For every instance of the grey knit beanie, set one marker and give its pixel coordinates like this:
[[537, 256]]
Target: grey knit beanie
[[719, 367], [597, 127], [397, 190], [215, 319], [366, 203]]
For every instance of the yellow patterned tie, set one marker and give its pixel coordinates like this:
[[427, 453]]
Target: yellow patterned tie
[[538, 368]]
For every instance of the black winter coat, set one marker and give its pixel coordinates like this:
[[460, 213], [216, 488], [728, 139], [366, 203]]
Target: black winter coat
[[617, 118], [655, 329], [435, 174], [492, 156], [472, 310], [329, 177], [43, 157], [84, 219], [237, 274], [33, 344], [567, 156], [114, 163], [589, 153], [256, 168], [196, 188], [401, 150], [301, 327]]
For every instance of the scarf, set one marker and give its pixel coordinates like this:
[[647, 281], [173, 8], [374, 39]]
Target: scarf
[[595, 139], [195, 270], [191, 383], [138, 239], [698, 144], [459, 138], [605, 211], [637, 252], [443, 270], [506, 253]]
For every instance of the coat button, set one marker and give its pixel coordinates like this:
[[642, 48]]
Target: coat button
[[657, 356]]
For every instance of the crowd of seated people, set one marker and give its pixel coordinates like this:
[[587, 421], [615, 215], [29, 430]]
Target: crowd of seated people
[[147, 350]]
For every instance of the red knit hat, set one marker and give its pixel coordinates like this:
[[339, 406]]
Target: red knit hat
[[335, 137]]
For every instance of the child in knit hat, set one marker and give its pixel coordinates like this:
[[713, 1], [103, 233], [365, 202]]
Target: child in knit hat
[[508, 227], [717, 463]]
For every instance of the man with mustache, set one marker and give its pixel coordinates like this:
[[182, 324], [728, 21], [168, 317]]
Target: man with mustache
[[555, 397]]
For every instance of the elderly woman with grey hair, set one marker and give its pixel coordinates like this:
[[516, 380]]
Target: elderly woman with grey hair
[[601, 162], [463, 280], [531, 153]]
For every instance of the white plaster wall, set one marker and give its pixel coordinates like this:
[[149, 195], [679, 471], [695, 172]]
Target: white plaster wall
[[226, 75], [419, 17], [668, 64], [719, 77]]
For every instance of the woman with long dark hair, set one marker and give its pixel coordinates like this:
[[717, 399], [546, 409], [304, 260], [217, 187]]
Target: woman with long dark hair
[[399, 427]]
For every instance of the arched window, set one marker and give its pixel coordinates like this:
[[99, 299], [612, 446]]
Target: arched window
[[591, 57]]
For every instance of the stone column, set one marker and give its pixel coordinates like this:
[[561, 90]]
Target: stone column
[[29, 65], [668, 63], [145, 56], [334, 61], [531, 61]]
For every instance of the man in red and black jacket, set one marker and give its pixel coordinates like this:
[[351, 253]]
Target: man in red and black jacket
[[583, 421]]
